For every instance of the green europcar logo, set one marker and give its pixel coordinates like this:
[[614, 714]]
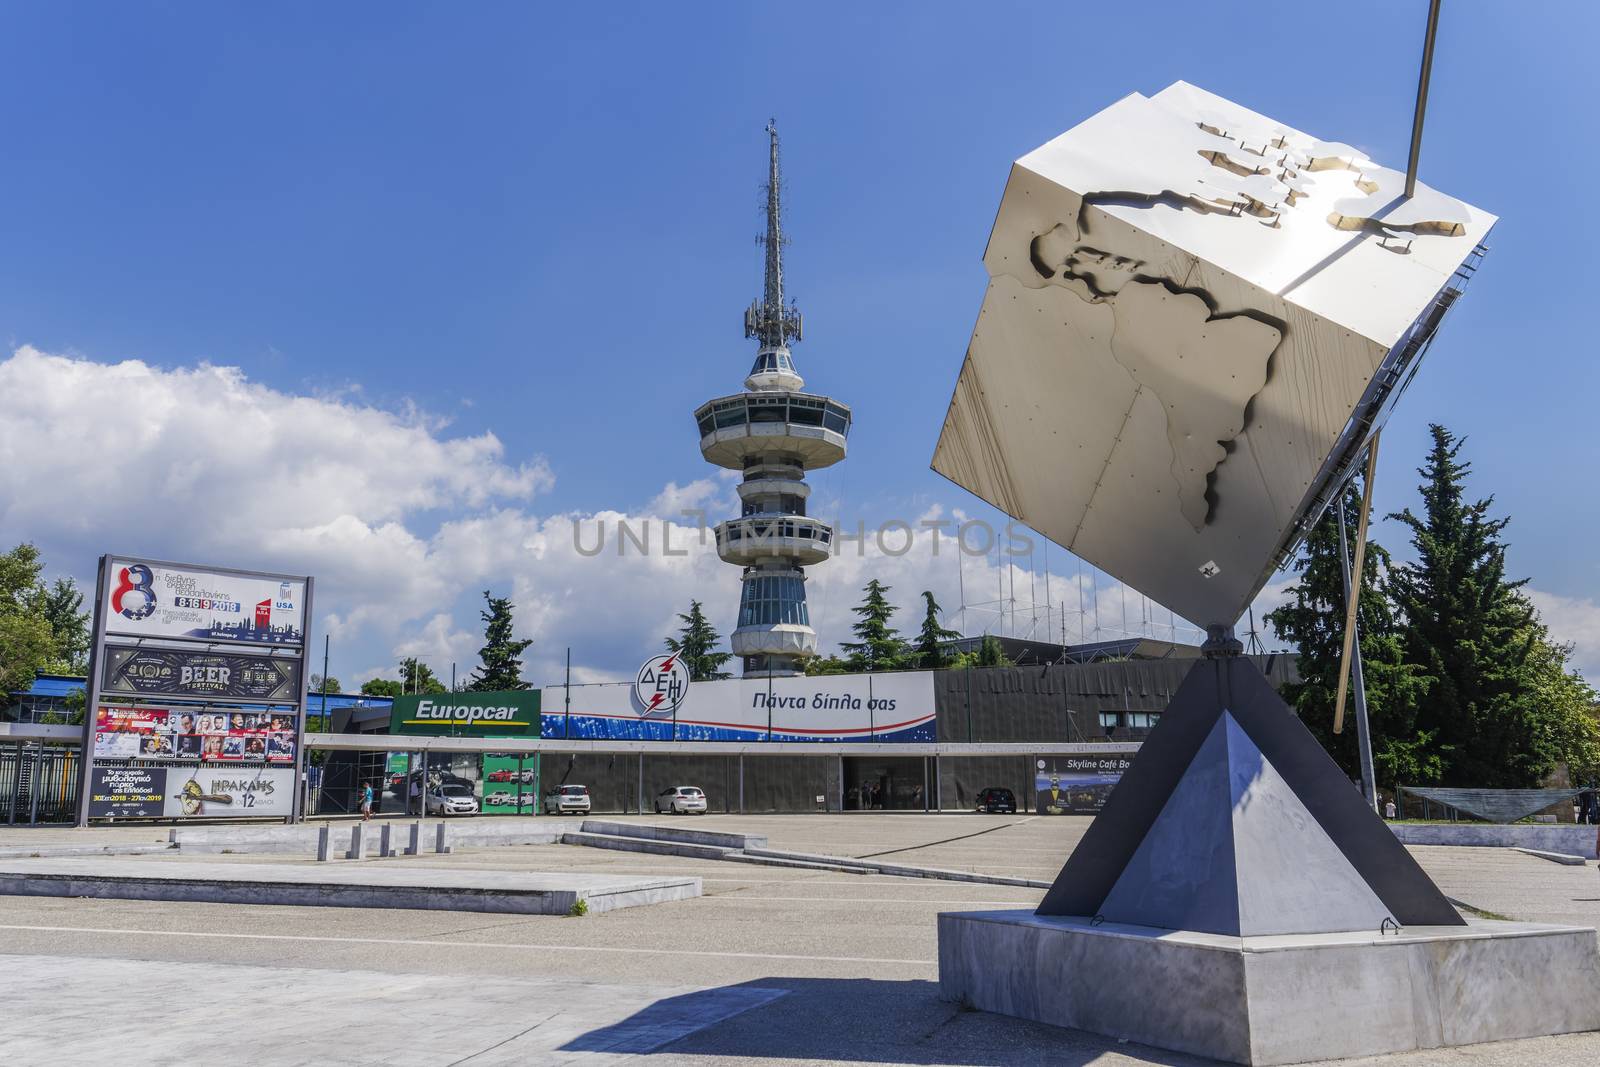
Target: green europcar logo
[[513, 713]]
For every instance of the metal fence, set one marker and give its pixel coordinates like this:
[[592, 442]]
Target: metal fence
[[38, 785]]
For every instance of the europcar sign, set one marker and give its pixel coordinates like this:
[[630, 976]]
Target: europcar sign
[[513, 713]]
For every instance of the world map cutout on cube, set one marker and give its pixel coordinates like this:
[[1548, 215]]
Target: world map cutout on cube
[[1187, 303]]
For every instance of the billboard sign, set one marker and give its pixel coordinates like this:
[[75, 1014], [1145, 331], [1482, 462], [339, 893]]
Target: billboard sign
[[128, 792], [1076, 785], [211, 792], [508, 785], [190, 792], [145, 599], [194, 733], [833, 707], [161, 672], [510, 713]]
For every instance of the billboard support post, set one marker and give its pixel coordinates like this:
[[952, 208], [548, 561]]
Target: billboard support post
[[91, 704], [297, 812]]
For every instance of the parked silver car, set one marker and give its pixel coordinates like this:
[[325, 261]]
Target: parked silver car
[[681, 800], [567, 800], [452, 798]]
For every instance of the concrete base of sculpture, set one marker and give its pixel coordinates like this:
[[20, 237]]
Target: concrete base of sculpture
[[1276, 999]]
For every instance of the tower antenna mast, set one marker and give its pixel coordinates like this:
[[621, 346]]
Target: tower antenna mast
[[767, 319]]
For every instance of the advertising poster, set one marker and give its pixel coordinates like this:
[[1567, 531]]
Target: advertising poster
[[220, 792], [152, 600], [205, 734], [835, 707], [127, 792], [514, 713], [1076, 785], [159, 672], [508, 785]]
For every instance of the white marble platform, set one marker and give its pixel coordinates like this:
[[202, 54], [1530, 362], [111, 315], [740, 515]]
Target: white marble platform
[[1276, 999], [389, 884]]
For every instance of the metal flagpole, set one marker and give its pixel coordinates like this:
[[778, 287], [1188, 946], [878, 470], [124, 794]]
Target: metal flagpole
[[1423, 78], [1352, 590], [1352, 593]]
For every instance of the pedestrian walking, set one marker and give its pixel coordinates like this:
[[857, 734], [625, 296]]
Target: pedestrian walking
[[366, 801]]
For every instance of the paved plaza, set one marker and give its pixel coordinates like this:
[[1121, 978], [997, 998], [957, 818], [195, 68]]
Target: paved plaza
[[771, 965]]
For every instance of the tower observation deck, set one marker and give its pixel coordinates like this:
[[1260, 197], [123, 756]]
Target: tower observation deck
[[774, 433]]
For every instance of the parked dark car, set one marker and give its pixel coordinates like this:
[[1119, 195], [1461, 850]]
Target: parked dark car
[[996, 801]]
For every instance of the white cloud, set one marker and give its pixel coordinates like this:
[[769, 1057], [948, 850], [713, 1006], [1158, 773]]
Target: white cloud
[[404, 526], [1574, 621]]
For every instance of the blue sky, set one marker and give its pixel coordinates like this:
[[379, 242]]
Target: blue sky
[[537, 223]]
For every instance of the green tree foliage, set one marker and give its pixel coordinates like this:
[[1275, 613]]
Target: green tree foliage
[[500, 658], [417, 677], [1469, 626], [696, 645], [382, 687], [932, 639], [1313, 620], [61, 605], [879, 647], [827, 665], [42, 627], [1464, 685], [319, 684], [989, 653]]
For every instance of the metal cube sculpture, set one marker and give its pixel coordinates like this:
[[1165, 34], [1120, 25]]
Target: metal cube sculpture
[[1196, 317]]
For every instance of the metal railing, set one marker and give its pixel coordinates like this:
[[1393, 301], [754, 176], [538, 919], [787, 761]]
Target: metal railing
[[38, 784]]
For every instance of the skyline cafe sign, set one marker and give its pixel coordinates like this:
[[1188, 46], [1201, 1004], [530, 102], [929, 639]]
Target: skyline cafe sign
[[511, 713]]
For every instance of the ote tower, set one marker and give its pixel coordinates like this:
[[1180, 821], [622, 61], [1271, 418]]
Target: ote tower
[[773, 432]]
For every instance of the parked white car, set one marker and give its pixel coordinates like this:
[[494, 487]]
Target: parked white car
[[452, 798], [681, 800], [567, 800]]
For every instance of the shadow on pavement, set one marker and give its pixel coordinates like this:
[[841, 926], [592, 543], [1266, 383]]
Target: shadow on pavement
[[855, 1021]]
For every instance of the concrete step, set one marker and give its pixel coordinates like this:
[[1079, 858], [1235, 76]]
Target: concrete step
[[650, 845], [903, 870], [341, 885], [685, 834], [1567, 859]]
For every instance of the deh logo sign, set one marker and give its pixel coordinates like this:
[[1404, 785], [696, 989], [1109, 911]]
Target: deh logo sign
[[661, 685], [506, 714]]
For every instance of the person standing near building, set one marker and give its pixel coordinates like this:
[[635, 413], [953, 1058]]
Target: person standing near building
[[366, 801]]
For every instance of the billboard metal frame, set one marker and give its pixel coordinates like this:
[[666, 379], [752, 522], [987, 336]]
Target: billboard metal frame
[[97, 654]]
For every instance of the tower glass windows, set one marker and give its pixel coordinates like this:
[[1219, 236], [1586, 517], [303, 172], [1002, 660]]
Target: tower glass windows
[[774, 600]]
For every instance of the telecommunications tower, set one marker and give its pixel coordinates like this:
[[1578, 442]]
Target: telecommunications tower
[[773, 433]]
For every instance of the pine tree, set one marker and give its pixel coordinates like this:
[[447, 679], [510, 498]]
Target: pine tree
[[990, 654], [880, 647], [932, 653], [500, 665], [696, 646], [1313, 621], [1469, 627]]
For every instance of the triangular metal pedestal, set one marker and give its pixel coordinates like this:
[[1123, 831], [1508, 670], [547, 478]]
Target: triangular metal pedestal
[[1234, 820]]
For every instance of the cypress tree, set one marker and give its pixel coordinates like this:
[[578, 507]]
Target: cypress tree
[[880, 647], [932, 639], [500, 658], [696, 646], [1470, 627]]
